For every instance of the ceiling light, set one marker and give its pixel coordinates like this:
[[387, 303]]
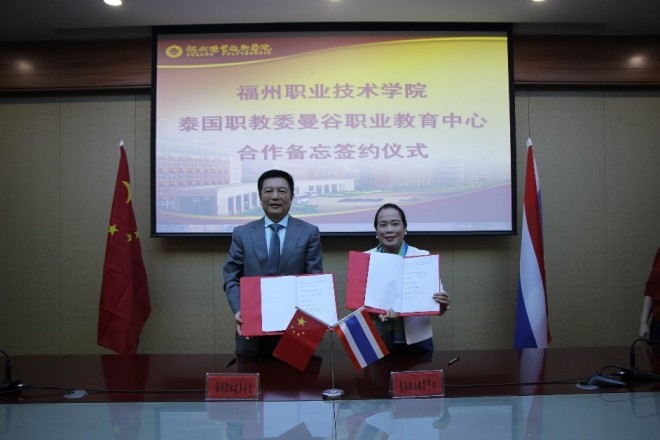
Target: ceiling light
[[113, 2], [24, 66], [637, 61]]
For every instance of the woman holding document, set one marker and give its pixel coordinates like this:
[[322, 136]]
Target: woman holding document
[[409, 333]]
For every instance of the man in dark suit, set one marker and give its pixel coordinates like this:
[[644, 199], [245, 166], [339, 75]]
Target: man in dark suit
[[299, 246]]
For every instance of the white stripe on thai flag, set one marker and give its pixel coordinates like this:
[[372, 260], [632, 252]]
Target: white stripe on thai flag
[[532, 314], [360, 338]]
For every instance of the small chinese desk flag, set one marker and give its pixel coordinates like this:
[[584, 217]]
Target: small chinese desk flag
[[300, 340]]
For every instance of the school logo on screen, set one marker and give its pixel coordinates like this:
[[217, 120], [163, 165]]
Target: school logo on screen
[[174, 51]]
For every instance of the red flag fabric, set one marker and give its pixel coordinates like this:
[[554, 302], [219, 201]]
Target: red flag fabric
[[300, 340], [125, 373], [125, 305]]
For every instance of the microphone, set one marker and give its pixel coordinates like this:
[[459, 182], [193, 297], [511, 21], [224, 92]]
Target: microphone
[[8, 384], [599, 379], [632, 372]]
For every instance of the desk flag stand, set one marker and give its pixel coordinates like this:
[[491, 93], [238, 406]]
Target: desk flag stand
[[332, 393]]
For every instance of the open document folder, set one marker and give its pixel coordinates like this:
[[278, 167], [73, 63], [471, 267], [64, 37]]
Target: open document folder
[[381, 281], [269, 303]]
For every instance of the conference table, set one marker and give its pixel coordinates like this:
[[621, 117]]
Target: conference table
[[507, 394]]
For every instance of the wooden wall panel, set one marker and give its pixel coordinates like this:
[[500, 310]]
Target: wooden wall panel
[[583, 60], [126, 64], [75, 65]]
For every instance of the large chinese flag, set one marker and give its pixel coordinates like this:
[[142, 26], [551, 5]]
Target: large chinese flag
[[125, 303], [300, 340]]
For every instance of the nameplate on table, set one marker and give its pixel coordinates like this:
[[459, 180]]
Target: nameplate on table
[[236, 386], [417, 383]]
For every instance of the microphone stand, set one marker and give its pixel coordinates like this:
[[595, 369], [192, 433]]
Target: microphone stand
[[332, 393], [8, 384], [632, 372]]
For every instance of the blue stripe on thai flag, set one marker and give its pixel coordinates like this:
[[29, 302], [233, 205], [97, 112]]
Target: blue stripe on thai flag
[[531, 329], [360, 338]]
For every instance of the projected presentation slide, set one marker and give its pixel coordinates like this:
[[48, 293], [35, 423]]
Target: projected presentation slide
[[418, 118]]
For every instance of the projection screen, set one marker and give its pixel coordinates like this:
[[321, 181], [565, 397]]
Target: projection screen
[[420, 115]]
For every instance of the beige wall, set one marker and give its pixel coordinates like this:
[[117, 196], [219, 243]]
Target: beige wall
[[598, 154]]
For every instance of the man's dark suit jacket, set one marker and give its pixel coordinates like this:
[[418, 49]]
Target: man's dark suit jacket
[[248, 256]]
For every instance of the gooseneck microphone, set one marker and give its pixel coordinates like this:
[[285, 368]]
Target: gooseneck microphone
[[8, 384], [632, 372]]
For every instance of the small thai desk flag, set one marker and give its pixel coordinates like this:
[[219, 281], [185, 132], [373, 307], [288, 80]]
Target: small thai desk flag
[[361, 339], [124, 307], [531, 329]]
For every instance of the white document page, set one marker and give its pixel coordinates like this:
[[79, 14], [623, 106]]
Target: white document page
[[421, 279], [384, 281], [278, 302], [417, 328], [316, 296]]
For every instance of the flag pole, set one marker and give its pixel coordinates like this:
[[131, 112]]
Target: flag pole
[[332, 393]]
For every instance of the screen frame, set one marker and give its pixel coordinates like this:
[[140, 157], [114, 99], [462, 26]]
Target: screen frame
[[329, 27]]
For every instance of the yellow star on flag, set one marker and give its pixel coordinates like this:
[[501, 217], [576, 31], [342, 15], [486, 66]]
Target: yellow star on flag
[[127, 184], [112, 229]]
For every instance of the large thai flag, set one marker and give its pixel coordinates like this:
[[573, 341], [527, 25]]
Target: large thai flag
[[532, 314], [360, 338]]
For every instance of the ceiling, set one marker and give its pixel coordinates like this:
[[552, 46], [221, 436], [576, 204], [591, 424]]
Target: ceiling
[[24, 20]]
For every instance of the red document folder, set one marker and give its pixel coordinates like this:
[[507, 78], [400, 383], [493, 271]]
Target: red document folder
[[356, 284], [356, 279], [251, 305]]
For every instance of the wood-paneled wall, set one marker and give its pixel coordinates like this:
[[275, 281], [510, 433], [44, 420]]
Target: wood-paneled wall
[[56, 66]]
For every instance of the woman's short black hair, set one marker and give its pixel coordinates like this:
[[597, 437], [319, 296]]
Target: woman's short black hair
[[392, 206]]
